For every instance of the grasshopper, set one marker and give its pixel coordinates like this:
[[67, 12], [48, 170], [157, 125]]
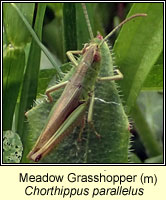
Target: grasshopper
[[78, 94]]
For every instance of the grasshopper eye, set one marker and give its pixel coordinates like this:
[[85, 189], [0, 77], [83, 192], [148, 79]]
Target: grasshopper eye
[[97, 57], [99, 36]]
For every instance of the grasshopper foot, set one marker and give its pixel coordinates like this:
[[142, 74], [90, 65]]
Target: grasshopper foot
[[93, 128]]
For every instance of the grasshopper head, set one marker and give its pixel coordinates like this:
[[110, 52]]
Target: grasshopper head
[[99, 36]]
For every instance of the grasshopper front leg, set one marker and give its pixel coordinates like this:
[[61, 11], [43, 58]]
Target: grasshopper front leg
[[52, 89], [71, 57]]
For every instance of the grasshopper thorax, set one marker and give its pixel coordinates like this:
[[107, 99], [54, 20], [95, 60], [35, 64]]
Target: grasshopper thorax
[[92, 48]]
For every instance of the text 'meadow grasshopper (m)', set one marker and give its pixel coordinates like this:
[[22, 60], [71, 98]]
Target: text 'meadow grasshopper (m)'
[[78, 94]]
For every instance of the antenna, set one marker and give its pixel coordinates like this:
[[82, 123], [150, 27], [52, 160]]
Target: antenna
[[121, 24], [87, 20]]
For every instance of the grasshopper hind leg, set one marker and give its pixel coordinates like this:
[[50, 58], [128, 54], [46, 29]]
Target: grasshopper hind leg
[[54, 88], [89, 120], [90, 113]]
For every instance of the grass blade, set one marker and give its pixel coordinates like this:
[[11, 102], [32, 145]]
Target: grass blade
[[13, 69], [35, 37], [138, 47], [69, 26]]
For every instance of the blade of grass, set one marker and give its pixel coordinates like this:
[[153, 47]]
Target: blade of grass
[[14, 57], [35, 37], [13, 69], [69, 26], [154, 80], [137, 48], [137, 52], [29, 87], [13, 21], [148, 137]]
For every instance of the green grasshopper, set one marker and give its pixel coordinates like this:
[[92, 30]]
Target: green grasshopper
[[78, 94]]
